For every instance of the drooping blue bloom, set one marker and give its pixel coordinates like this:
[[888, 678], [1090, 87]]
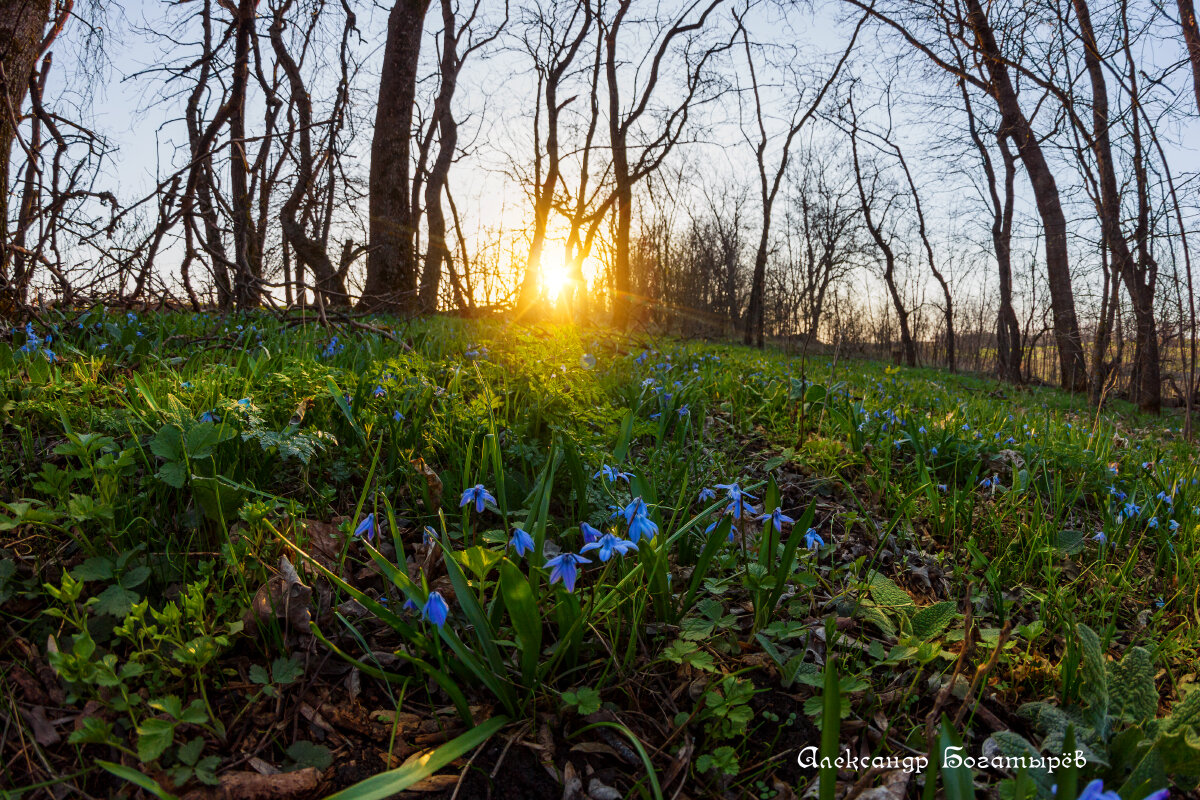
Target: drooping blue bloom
[[1166, 498], [1152, 522], [636, 506], [479, 496], [590, 534], [367, 527], [921, 429], [777, 518], [1100, 537], [684, 411], [609, 544], [642, 527], [1132, 509], [564, 568], [521, 542], [209, 416], [435, 609], [409, 605], [397, 416], [1095, 791], [706, 495], [1173, 525], [380, 391], [813, 540], [611, 474], [933, 451], [942, 488]]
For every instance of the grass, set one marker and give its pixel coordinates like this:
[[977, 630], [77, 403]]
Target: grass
[[966, 562]]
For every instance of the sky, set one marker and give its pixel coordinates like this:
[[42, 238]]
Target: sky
[[121, 97]]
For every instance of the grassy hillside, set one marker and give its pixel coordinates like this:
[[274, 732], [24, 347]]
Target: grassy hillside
[[281, 559]]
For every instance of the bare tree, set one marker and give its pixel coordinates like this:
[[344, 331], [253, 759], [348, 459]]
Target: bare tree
[[392, 266]]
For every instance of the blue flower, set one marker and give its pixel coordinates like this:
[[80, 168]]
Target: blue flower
[[636, 506], [1173, 525], [435, 609], [479, 495], [409, 605], [380, 391], [921, 429], [1132, 509], [1152, 522], [1100, 537], [209, 416], [521, 542], [368, 527], [737, 500], [684, 411], [611, 474], [777, 518], [565, 568], [933, 451], [590, 534], [812, 539], [609, 544], [642, 527], [707, 494], [1095, 791], [397, 416], [942, 488]]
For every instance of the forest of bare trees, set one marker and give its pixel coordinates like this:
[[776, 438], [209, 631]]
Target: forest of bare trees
[[1007, 188]]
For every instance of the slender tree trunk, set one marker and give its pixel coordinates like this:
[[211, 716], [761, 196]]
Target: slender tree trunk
[[438, 253], [1072, 364], [1147, 387], [1191, 38], [247, 255], [391, 282], [21, 25]]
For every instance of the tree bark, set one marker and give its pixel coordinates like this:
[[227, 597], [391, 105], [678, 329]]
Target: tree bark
[[391, 283], [1072, 365], [21, 26], [1191, 38]]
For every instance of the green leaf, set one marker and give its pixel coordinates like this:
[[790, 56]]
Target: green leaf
[[92, 730], [929, 622], [308, 754], [154, 737], [886, 593], [97, 568], [525, 615], [258, 674], [1070, 542], [958, 780], [190, 753], [136, 778], [584, 699], [116, 601], [416, 769], [286, 670], [206, 770], [168, 443], [480, 560], [173, 473], [1136, 702], [831, 723], [1094, 688], [195, 713]]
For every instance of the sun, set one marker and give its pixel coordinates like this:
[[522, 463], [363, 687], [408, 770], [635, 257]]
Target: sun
[[554, 280]]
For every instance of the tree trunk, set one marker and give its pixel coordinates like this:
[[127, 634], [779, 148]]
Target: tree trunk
[[247, 255], [438, 253], [1191, 37], [21, 26], [1146, 389], [391, 282], [1072, 365]]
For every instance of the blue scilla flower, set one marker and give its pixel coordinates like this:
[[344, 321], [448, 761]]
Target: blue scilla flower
[[636, 506], [776, 518], [209, 416], [684, 411], [642, 527], [812, 539], [367, 527], [1173, 525], [590, 534], [1132, 509], [1152, 522], [611, 474], [380, 391], [397, 416], [706, 495], [564, 568], [609, 544], [435, 609], [1095, 791], [521, 542], [478, 495]]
